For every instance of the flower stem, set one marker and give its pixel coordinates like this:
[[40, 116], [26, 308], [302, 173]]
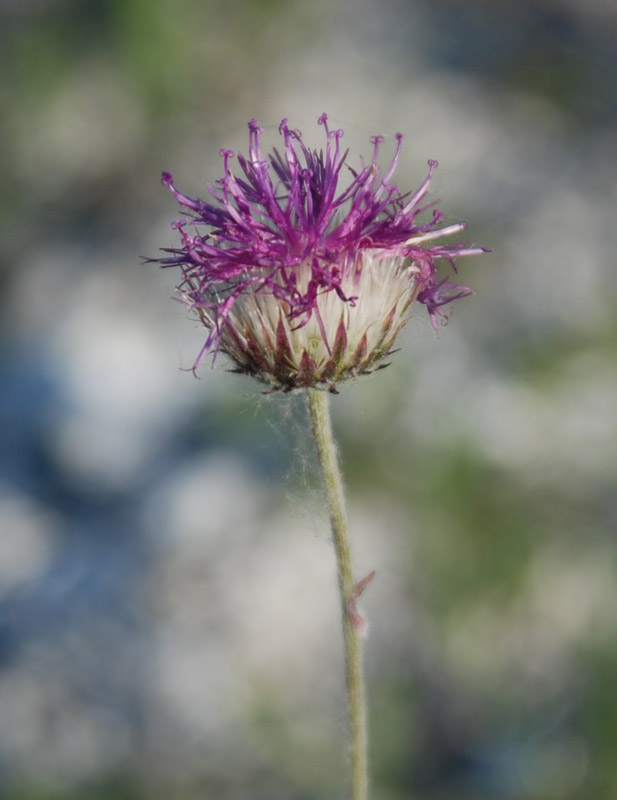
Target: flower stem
[[322, 430]]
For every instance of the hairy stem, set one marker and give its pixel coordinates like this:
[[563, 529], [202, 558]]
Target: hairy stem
[[326, 449]]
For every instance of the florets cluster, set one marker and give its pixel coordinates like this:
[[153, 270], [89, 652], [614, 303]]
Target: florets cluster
[[304, 273]]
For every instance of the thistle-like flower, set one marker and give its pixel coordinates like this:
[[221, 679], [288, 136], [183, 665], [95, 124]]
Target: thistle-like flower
[[302, 277]]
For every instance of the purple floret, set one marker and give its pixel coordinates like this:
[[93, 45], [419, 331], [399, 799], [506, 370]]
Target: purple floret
[[285, 216]]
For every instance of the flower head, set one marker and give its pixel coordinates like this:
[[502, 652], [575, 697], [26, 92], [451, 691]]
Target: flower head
[[303, 278]]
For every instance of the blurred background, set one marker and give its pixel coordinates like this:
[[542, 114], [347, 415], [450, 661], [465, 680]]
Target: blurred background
[[168, 618]]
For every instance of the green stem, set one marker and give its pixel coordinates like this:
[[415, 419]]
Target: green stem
[[326, 449]]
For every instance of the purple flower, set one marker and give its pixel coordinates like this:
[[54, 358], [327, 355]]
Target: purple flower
[[304, 273]]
